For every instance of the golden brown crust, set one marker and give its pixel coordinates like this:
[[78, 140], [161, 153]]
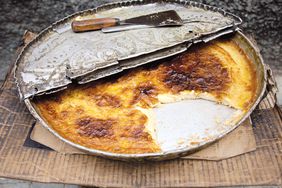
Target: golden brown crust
[[104, 114], [196, 70]]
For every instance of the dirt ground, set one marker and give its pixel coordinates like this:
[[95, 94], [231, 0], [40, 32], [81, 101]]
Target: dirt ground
[[262, 20]]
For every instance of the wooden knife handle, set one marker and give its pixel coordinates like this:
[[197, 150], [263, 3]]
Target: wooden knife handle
[[93, 24]]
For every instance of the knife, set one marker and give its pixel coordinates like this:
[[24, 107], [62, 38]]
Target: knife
[[124, 28], [159, 19], [134, 26]]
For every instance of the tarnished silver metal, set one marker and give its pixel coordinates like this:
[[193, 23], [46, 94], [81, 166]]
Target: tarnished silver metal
[[253, 54], [57, 55], [158, 19], [134, 62]]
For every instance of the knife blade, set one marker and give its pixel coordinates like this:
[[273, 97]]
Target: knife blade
[[124, 28], [159, 19]]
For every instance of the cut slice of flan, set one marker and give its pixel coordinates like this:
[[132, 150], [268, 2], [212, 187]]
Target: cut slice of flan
[[115, 114]]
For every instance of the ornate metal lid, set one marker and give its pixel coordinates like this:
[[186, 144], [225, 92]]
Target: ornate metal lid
[[57, 56]]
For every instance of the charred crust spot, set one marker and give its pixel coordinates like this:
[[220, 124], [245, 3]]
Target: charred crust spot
[[135, 127], [138, 132], [143, 119], [107, 100], [79, 111], [146, 89], [64, 113], [145, 93], [196, 71], [50, 110], [93, 127]]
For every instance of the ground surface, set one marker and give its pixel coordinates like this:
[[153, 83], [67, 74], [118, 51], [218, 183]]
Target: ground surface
[[262, 20]]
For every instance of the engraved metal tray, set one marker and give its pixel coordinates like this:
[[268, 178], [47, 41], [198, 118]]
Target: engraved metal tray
[[33, 64], [202, 111]]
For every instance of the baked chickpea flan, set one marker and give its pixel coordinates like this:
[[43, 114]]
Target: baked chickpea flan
[[114, 114]]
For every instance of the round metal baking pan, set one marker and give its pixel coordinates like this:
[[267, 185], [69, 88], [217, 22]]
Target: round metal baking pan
[[238, 37], [253, 54]]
